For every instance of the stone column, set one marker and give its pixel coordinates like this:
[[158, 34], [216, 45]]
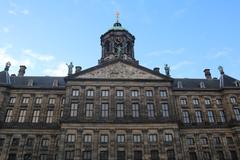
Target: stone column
[[129, 149], [78, 144], [61, 144], [95, 140]]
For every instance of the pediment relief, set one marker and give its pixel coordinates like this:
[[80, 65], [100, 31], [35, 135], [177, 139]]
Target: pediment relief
[[119, 70]]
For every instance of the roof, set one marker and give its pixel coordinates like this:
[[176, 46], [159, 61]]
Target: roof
[[189, 83], [38, 81]]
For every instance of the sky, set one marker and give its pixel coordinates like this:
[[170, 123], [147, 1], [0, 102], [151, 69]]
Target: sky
[[188, 35]]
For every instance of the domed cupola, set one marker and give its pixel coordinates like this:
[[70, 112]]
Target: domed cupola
[[117, 43]]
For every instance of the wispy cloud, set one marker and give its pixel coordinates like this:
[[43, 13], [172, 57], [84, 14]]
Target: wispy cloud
[[5, 29], [38, 56], [5, 56], [17, 10], [214, 54], [60, 70], [181, 64], [167, 51]]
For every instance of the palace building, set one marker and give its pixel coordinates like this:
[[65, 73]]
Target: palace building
[[119, 110]]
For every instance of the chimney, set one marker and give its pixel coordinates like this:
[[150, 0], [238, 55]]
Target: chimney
[[21, 71], [156, 69], [207, 74], [78, 69]]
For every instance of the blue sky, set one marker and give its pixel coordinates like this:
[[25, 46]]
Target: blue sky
[[189, 35]]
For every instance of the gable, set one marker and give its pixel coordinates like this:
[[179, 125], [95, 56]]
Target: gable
[[120, 70]]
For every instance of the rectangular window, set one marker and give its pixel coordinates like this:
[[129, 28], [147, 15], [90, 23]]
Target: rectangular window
[[90, 93], [38, 100], [186, 118], [120, 110], [150, 109], [2, 142], [137, 155], [170, 155], [30, 142], [63, 101], [75, 92], [207, 101], [220, 155], [36, 114], [87, 138], [12, 156], [233, 155], [74, 110], [193, 155], [104, 138], [8, 116], [61, 113], [89, 110], [43, 157], [195, 102], [104, 93], [120, 138], [69, 155], [168, 138], [190, 141], [22, 116], [120, 155], [198, 116], [134, 93], [154, 155], [71, 138], [233, 100], [222, 116], [137, 138], [51, 101], [165, 112], [27, 157], [183, 101], [210, 116], [15, 142], [104, 155], [104, 110], [149, 93], [163, 93], [237, 114], [152, 138], [219, 101], [45, 142], [87, 155], [25, 100], [12, 100], [216, 140], [204, 141], [135, 110], [49, 116], [119, 93], [229, 140]]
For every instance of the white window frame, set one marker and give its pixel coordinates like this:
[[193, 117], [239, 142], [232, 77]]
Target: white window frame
[[49, 116], [38, 100], [104, 110], [120, 110], [87, 138], [165, 109], [104, 93], [211, 118], [25, 100], [9, 115], [163, 93], [51, 101], [135, 110], [119, 93], [149, 93], [22, 115], [150, 109], [75, 92], [134, 93], [36, 114], [12, 100], [89, 110], [74, 110]]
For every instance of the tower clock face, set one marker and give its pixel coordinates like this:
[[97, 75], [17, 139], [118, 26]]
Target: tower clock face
[[118, 40]]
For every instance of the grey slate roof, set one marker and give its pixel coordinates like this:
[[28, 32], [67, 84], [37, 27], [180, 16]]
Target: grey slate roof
[[38, 81]]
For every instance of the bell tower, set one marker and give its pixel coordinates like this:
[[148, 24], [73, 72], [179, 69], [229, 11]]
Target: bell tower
[[117, 43]]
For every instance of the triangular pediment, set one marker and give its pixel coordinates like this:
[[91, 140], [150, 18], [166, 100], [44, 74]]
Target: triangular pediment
[[119, 70]]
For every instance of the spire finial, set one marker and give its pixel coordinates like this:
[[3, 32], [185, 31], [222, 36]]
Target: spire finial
[[117, 16]]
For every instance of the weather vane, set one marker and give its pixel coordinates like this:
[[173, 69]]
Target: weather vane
[[117, 16]]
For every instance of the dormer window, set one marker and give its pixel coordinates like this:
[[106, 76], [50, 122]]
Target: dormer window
[[179, 84], [55, 83], [30, 83], [237, 83], [202, 85]]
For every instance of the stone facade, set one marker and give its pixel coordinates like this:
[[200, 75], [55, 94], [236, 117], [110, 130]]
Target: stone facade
[[119, 110]]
